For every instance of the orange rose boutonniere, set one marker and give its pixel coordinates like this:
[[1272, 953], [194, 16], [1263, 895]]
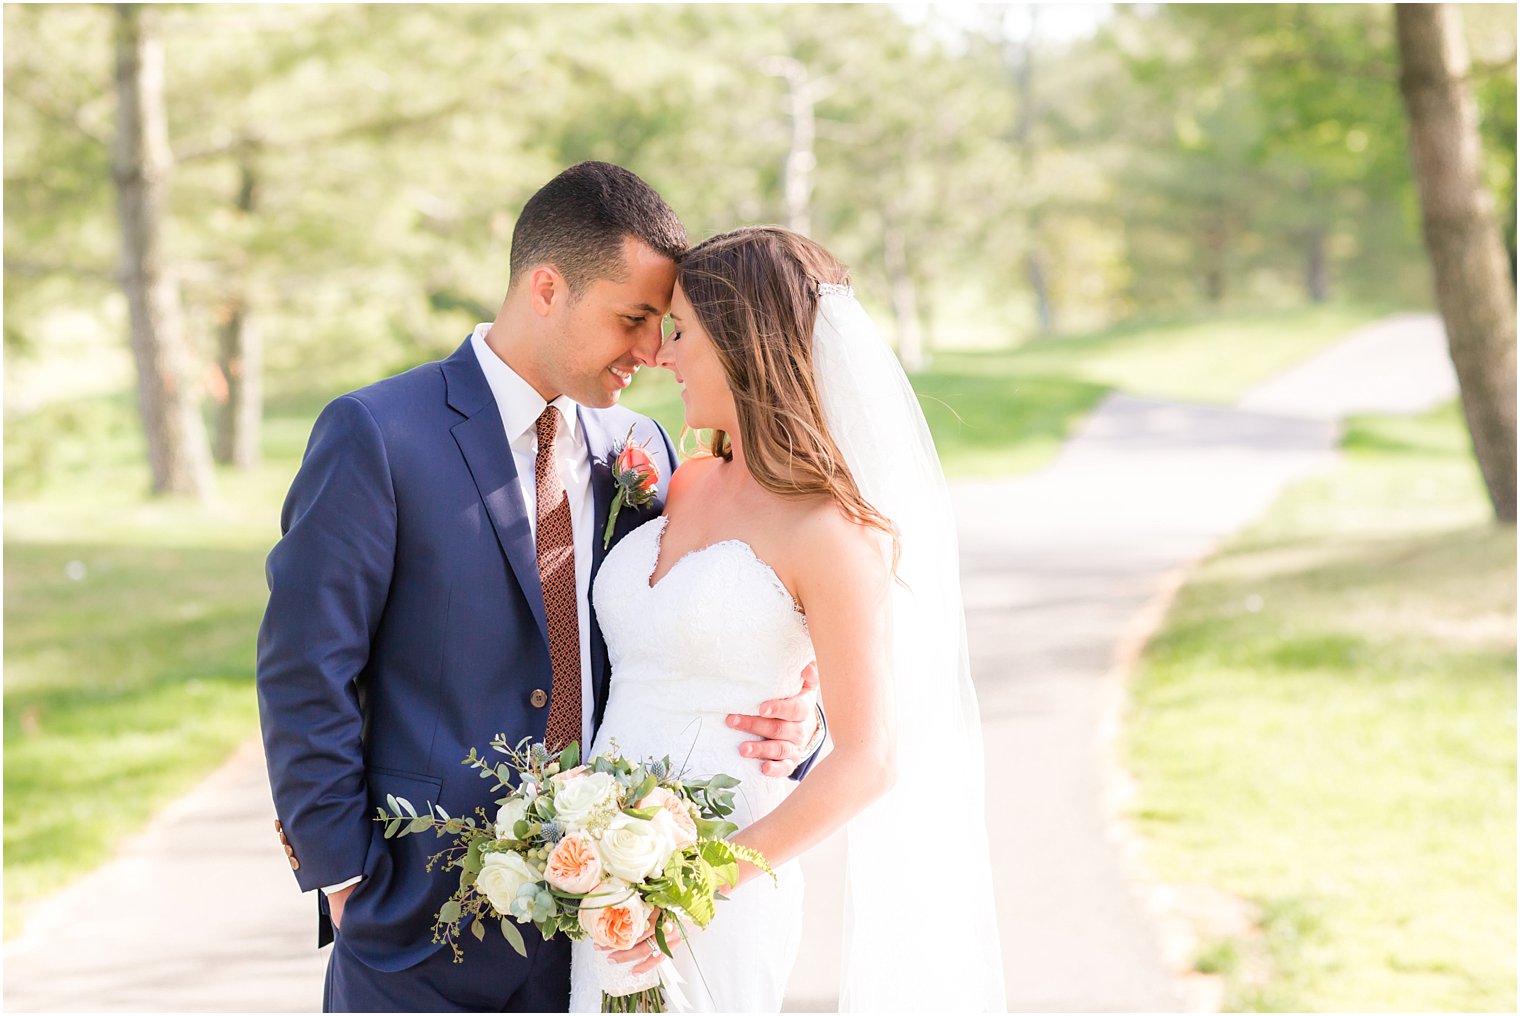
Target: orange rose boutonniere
[[636, 478]]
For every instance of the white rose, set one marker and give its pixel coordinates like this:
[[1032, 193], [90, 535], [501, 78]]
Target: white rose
[[508, 816], [634, 849], [577, 801], [502, 873], [570, 774], [668, 826], [674, 817]]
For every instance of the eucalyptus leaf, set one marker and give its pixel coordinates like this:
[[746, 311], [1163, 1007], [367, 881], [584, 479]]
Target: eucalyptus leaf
[[478, 929], [471, 860], [513, 936], [450, 912]]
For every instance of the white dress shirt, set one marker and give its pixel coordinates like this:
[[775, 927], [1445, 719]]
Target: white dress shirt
[[521, 406]]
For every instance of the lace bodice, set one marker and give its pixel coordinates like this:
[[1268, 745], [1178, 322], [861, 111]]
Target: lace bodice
[[718, 634]]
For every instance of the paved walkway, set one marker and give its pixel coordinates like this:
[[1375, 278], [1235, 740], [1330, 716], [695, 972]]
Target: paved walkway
[[1061, 570]]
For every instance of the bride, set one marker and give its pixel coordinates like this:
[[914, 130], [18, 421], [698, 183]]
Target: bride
[[817, 528]]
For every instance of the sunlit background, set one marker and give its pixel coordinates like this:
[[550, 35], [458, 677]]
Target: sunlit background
[[1042, 204]]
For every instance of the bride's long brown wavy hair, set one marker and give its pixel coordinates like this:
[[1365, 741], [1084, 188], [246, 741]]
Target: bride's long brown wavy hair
[[755, 291]]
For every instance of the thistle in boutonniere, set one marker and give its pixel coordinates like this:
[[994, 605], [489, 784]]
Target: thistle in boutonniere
[[635, 476]]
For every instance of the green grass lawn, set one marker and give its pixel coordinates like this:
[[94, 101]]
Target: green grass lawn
[[1195, 359], [130, 623], [1326, 727]]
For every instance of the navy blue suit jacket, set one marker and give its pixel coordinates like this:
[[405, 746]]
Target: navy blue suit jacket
[[406, 625]]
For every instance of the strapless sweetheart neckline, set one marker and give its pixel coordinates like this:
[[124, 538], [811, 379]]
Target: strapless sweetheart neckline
[[663, 523]]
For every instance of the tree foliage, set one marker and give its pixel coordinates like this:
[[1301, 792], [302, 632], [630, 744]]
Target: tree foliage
[[968, 171]]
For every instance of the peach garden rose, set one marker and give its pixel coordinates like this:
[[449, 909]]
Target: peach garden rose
[[614, 915], [573, 865]]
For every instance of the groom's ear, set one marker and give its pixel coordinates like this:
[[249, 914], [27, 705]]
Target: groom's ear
[[546, 289]]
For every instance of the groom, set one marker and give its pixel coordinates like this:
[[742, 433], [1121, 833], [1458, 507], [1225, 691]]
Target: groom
[[431, 591]]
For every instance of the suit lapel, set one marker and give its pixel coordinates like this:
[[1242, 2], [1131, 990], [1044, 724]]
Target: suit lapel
[[599, 446], [482, 440]]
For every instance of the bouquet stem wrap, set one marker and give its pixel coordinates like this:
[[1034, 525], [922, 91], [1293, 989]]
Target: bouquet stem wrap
[[619, 979], [661, 986]]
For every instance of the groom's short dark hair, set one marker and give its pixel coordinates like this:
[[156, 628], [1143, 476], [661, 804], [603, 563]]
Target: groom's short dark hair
[[578, 220]]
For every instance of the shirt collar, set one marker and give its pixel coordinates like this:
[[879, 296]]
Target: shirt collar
[[519, 402]]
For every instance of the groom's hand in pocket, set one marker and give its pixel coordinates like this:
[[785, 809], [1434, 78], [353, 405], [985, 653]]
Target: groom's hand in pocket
[[335, 902], [785, 727]]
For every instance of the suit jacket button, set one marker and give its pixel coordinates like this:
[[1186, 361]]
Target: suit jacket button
[[295, 865], [539, 698]]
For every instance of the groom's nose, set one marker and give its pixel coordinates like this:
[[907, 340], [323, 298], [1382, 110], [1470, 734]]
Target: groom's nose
[[646, 348]]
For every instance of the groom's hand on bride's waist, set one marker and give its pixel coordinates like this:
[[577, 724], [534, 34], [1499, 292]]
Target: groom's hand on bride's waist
[[786, 727]]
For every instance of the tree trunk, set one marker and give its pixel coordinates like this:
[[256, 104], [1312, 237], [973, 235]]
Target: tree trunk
[[1035, 266], [1473, 286], [802, 94], [241, 353], [241, 349], [1214, 243], [910, 337], [1034, 259], [178, 451], [1316, 267]]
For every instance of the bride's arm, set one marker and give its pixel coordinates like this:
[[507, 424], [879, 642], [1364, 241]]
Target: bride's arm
[[843, 580]]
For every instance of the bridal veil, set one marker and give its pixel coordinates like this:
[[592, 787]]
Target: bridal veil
[[920, 915]]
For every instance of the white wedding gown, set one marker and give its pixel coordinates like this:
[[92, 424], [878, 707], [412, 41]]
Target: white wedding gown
[[718, 634]]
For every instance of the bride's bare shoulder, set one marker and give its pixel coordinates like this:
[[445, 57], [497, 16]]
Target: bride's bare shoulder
[[830, 547], [690, 474]]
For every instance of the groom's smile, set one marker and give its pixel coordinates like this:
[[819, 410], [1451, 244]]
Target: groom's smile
[[604, 334]]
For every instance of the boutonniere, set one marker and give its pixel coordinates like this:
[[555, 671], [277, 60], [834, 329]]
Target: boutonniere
[[635, 476]]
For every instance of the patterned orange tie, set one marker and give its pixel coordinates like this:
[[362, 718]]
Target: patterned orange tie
[[556, 572]]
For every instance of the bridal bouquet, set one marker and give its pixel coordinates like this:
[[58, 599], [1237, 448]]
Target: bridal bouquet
[[596, 851]]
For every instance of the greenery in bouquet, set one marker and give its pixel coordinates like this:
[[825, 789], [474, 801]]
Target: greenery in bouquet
[[594, 850]]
